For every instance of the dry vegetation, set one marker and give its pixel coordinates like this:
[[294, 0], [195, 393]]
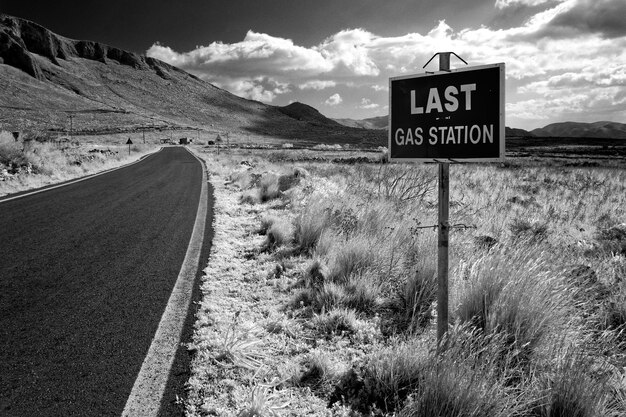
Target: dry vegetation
[[31, 164], [319, 296]]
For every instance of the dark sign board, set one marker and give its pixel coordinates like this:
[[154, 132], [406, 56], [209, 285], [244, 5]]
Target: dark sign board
[[456, 115], [129, 142]]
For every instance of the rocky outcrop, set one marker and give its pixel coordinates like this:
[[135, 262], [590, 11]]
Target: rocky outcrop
[[20, 38]]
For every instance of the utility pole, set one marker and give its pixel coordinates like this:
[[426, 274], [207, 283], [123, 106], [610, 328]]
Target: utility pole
[[71, 117]]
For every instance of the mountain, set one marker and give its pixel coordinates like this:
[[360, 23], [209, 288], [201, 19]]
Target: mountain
[[380, 122], [611, 130], [515, 132], [304, 112], [45, 77], [605, 130]]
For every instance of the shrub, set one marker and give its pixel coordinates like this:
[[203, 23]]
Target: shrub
[[250, 197], [613, 239], [11, 154], [278, 234], [312, 221], [573, 388], [337, 321], [534, 231], [319, 371], [464, 379], [362, 293], [268, 188], [385, 378], [331, 295], [518, 293], [419, 294], [616, 307], [353, 257]]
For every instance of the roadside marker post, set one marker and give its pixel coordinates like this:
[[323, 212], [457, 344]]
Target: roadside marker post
[[448, 116], [129, 142]]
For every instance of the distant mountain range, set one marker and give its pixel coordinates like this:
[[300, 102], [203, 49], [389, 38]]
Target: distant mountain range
[[45, 78], [609, 130], [605, 130]]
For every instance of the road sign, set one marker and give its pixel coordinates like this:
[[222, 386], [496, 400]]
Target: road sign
[[129, 142], [453, 115]]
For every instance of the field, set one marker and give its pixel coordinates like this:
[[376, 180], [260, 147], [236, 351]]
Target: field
[[25, 165], [320, 293]]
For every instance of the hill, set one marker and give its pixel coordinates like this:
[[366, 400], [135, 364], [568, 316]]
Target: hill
[[45, 78], [608, 130], [605, 130], [380, 122]]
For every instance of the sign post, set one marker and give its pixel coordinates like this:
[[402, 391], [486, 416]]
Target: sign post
[[449, 116], [129, 142]]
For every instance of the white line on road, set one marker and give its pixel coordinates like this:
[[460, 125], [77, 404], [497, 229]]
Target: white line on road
[[145, 397]]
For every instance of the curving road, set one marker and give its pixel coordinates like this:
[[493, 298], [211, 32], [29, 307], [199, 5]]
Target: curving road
[[86, 271]]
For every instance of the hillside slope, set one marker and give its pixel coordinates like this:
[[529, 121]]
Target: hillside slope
[[45, 78], [612, 130], [380, 122]]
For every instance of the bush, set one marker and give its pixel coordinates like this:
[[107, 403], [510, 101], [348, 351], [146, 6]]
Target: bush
[[464, 379], [338, 321], [534, 231], [312, 221], [518, 293], [382, 382], [268, 188], [571, 389], [419, 294], [353, 257], [362, 293]]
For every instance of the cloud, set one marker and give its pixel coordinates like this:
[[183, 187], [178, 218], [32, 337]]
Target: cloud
[[334, 100], [503, 4], [567, 56], [607, 17], [367, 104], [317, 85], [377, 87]]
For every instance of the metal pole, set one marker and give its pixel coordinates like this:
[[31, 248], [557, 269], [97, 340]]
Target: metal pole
[[444, 228], [71, 126]]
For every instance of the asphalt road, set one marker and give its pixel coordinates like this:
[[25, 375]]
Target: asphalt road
[[85, 273]]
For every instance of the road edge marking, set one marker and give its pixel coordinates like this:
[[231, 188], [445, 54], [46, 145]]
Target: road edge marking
[[147, 392], [74, 181]]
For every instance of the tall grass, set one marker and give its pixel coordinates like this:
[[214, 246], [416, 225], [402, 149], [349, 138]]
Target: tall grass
[[519, 293], [25, 165], [523, 328]]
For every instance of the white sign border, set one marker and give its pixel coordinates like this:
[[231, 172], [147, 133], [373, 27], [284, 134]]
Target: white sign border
[[502, 138]]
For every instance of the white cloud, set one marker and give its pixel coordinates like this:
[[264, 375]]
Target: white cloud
[[367, 104], [317, 85], [334, 100], [567, 56], [502, 4]]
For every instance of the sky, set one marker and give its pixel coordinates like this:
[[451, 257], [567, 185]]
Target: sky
[[565, 59]]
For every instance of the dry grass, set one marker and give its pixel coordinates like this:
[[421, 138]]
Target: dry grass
[[28, 165], [340, 270]]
